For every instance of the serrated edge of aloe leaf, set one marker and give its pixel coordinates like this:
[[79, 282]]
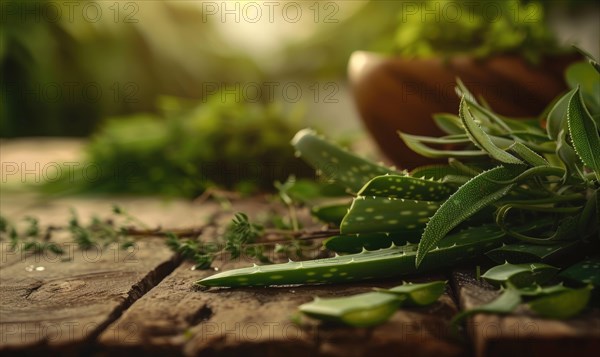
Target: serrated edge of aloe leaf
[[362, 266], [577, 116], [530, 156], [555, 118], [445, 218], [503, 275]]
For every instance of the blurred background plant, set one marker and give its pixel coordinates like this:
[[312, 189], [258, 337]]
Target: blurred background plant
[[146, 79], [188, 148], [483, 33]]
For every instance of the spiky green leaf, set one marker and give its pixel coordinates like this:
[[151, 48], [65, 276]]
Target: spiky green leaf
[[418, 294], [336, 163], [481, 139], [406, 187], [584, 133], [520, 275], [380, 214], [362, 310], [477, 193], [557, 116]]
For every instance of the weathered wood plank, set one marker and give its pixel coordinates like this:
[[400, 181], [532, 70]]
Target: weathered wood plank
[[59, 303], [175, 318], [523, 333]]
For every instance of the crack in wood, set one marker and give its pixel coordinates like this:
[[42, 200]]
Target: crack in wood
[[30, 290], [149, 281]]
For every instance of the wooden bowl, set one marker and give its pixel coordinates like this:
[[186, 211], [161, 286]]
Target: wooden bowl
[[402, 94]]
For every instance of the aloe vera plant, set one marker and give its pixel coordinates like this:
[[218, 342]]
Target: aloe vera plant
[[520, 274], [373, 308], [522, 283], [516, 191]]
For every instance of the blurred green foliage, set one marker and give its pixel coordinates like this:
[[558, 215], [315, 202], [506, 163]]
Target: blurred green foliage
[[98, 67], [432, 28], [188, 148], [67, 65], [480, 29]]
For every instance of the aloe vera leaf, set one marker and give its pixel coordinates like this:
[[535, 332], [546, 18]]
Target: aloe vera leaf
[[361, 310], [591, 59], [481, 139], [491, 120], [380, 214], [527, 253], [456, 179], [383, 263], [470, 198], [331, 212], [518, 129], [567, 231], [541, 171], [443, 140], [520, 275], [418, 294], [307, 191], [586, 271], [535, 291], [528, 155], [584, 133], [565, 152], [433, 172], [584, 76], [354, 243], [370, 241], [557, 115], [390, 262], [415, 144], [506, 303], [335, 163], [406, 187], [463, 168], [523, 126], [449, 123], [562, 305]]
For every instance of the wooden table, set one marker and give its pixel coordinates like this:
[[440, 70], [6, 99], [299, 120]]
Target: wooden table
[[112, 301], [108, 301]]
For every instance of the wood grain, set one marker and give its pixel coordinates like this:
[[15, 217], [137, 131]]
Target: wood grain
[[175, 318], [60, 303]]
